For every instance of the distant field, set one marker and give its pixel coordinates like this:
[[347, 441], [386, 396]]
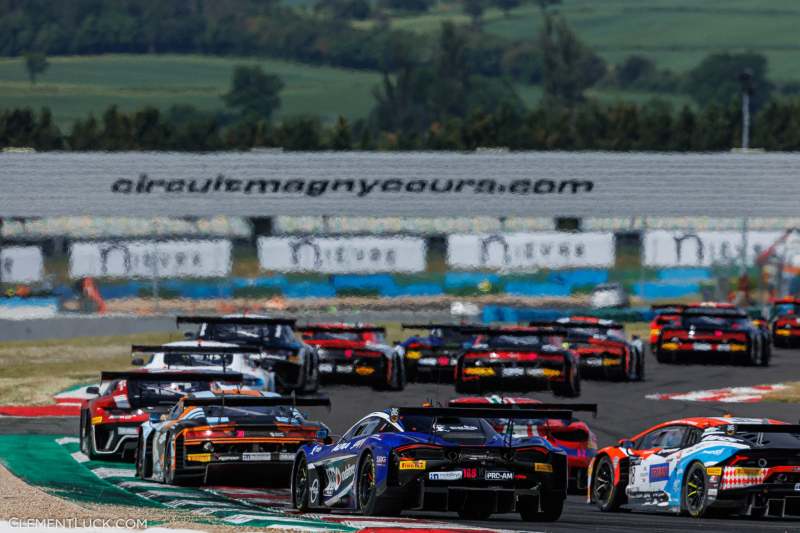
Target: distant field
[[75, 86], [677, 34]]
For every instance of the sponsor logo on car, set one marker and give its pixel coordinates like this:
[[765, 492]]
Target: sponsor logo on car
[[445, 476], [413, 465], [659, 472], [498, 476]]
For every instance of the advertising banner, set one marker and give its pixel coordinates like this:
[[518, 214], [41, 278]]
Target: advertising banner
[[524, 251], [343, 255], [146, 259], [21, 264], [664, 248]]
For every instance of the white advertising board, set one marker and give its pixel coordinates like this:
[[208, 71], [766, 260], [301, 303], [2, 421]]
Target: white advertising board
[[164, 259], [343, 255], [521, 251], [704, 248], [21, 264]]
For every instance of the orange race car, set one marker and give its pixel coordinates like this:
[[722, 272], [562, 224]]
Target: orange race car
[[250, 433], [785, 316], [735, 465]]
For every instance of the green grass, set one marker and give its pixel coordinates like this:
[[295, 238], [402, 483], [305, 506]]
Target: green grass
[[677, 34], [76, 86]]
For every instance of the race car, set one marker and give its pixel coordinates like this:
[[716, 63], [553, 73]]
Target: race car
[[664, 314], [433, 357], [356, 353], [712, 332], [785, 317], [109, 422], [207, 355], [434, 459], [518, 358], [571, 435], [294, 363], [235, 435], [696, 465], [602, 348]]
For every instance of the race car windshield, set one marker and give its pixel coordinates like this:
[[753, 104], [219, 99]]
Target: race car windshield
[[786, 309], [506, 341], [254, 414], [142, 393], [248, 333], [180, 359], [455, 429], [710, 321], [449, 335]]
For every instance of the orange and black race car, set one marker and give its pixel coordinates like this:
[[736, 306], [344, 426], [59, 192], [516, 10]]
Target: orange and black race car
[[356, 353], [249, 434], [109, 423], [709, 332], [664, 314], [785, 317], [602, 347], [518, 358]]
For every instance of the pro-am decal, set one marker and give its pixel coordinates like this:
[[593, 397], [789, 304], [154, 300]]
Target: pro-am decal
[[498, 476], [659, 472]]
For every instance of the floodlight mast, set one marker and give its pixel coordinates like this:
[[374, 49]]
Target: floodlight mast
[[746, 80]]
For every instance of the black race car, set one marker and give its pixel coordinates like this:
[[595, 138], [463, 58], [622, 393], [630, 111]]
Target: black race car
[[433, 357], [518, 358], [295, 363], [713, 332]]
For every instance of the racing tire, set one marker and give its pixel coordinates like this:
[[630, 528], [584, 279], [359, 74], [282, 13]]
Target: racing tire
[[399, 379], [766, 353], [168, 472], [300, 487], [85, 436], [368, 502], [551, 504], [605, 493], [663, 358], [311, 384], [467, 388], [640, 367], [139, 457], [694, 491], [571, 388]]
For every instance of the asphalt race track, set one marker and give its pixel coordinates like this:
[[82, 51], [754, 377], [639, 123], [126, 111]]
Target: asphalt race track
[[623, 412]]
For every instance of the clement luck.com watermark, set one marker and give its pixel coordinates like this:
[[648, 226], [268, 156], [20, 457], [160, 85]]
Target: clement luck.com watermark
[[73, 523]]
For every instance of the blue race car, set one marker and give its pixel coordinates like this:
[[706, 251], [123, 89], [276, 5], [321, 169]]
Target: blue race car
[[435, 459], [433, 357]]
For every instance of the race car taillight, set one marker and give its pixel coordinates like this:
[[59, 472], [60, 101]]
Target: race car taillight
[[420, 451], [203, 434], [529, 453]]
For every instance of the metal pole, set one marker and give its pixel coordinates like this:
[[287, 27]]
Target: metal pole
[[155, 275], [642, 237], [745, 120], [744, 246]]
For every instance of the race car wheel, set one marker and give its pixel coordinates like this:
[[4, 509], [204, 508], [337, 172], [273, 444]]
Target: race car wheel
[[399, 378], [570, 388], [639, 366], [367, 501], [169, 472], [311, 384], [551, 504], [604, 491], [663, 358], [694, 493], [86, 436], [300, 486], [767, 354]]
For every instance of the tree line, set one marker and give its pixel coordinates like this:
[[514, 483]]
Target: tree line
[[654, 126]]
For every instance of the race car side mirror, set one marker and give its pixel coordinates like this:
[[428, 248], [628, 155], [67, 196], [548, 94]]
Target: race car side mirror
[[93, 390], [327, 440], [138, 361], [189, 335], [625, 443]]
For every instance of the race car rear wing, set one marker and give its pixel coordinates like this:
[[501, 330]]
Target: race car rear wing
[[665, 307], [172, 376], [482, 412], [732, 429], [724, 312], [333, 328], [230, 400], [239, 320], [438, 326], [196, 350], [586, 407], [496, 332], [570, 324]]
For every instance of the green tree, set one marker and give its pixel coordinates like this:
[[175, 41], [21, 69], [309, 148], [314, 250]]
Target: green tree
[[716, 79], [342, 135], [475, 9], [254, 92], [568, 66], [36, 64]]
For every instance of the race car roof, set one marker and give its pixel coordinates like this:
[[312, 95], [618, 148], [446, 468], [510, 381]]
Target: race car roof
[[438, 326], [573, 323], [482, 412], [171, 376], [238, 320], [192, 350], [516, 331], [267, 401], [722, 312], [762, 428]]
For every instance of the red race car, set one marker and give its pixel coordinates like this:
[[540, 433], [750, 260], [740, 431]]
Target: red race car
[[356, 353], [573, 436], [602, 347], [696, 465], [785, 316], [518, 358], [713, 331], [664, 314], [109, 423]]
